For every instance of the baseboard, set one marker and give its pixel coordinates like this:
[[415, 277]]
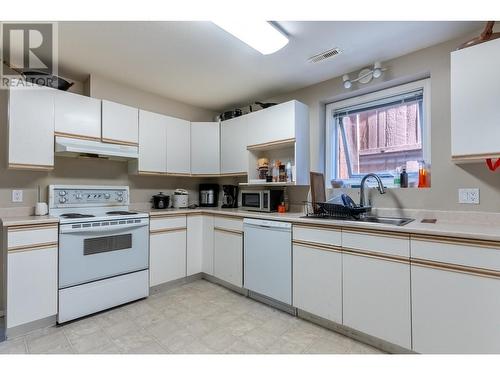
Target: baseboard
[[31, 326], [354, 334], [171, 284], [273, 303], [225, 284]]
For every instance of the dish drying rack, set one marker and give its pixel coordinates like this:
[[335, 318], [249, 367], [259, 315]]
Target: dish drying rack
[[333, 211]]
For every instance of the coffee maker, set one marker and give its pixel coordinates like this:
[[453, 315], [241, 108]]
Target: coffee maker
[[230, 198], [209, 195]]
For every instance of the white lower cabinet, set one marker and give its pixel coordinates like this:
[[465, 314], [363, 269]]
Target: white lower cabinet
[[31, 285], [317, 281], [194, 252], [228, 256], [376, 298], [207, 257], [167, 256]]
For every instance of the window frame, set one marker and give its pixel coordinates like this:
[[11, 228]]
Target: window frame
[[332, 142]]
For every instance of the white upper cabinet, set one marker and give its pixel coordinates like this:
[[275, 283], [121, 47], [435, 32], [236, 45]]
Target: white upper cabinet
[[205, 148], [280, 122], [234, 141], [475, 94], [31, 128], [152, 143], [178, 146], [77, 115], [120, 123]]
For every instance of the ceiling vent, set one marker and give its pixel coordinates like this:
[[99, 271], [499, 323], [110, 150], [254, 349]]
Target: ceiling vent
[[324, 55]]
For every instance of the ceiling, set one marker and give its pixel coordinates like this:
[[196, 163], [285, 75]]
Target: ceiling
[[200, 64]]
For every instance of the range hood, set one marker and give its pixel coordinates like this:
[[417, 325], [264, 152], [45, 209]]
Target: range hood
[[72, 147]]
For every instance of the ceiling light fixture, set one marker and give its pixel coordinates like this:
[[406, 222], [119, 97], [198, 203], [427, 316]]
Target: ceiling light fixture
[[260, 35], [365, 75]]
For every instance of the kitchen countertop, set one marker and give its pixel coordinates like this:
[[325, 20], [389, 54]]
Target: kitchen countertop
[[11, 221], [469, 229], [443, 227]]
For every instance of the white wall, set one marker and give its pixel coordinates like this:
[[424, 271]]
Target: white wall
[[447, 177]]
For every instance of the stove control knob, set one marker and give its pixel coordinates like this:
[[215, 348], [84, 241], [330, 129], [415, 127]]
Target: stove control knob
[[119, 199], [62, 200], [107, 196], [62, 193], [78, 196], [120, 193]]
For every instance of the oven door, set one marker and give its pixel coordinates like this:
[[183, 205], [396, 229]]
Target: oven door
[[96, 253], [251, 200]]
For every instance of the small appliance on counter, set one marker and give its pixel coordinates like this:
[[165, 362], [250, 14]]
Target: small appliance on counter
[[181, 198], [266, 200], [209, 195], [230, 198], [160, 201]]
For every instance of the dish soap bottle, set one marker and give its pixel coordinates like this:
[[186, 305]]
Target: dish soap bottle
[[404, 178]]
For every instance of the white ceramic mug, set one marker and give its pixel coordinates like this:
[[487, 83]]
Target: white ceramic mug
[[41, 209]]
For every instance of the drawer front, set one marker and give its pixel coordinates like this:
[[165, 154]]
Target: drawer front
[[167, 223], [463, 254], [396, 245], [22, 237], [316, 235], [235, 224]]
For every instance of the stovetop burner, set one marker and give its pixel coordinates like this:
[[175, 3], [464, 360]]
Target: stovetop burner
[[73, 215], [121, 213]]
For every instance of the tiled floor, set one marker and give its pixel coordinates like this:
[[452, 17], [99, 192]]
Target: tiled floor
[[199, 317]]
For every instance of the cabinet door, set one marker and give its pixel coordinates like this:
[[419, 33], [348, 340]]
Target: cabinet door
[[178, 146], [234, 141], [205, 149], [208, 245], [31, 285], [376, 298], [77, 115], [31, 128], [317, 281], [454, 312], [475, 94], [120, 123], [272, 124], [228, 257], [167, 256], [194, 244], [152, 142]]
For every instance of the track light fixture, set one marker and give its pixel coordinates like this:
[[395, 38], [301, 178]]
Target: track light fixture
[[365, 75]]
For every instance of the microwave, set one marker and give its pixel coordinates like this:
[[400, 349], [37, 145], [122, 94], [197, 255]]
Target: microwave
[[261, 200]]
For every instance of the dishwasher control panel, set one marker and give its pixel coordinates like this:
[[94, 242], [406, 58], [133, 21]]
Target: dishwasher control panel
[[267, 223]]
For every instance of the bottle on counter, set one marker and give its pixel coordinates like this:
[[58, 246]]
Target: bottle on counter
[[286, 201], [404, 179], [397, 177], [289, 171]]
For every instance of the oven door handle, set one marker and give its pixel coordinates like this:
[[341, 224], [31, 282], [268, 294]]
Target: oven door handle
[[101, 229]]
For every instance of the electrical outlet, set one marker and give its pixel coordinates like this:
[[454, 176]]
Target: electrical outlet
[[468, 196], [17, 196]]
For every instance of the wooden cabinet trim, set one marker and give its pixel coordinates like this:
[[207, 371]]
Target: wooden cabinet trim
[[375, 255], [332, 228], [118, 142], [456, 241], [47, 245], [160, 231], [377, 232], [230, 231], [474, 271], [76, 136], [318, 246], [26, 227], [34, 167]]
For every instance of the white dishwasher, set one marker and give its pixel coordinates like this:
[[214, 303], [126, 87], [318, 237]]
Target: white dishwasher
[[268, 259]]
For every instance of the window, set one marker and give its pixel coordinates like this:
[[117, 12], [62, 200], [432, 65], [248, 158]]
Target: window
[[378, 133]]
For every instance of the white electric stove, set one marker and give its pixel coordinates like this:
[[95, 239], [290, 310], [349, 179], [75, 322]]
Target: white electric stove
[[103, 249]]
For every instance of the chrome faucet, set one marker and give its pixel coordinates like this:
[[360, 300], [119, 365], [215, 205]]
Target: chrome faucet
[[362, 188]]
